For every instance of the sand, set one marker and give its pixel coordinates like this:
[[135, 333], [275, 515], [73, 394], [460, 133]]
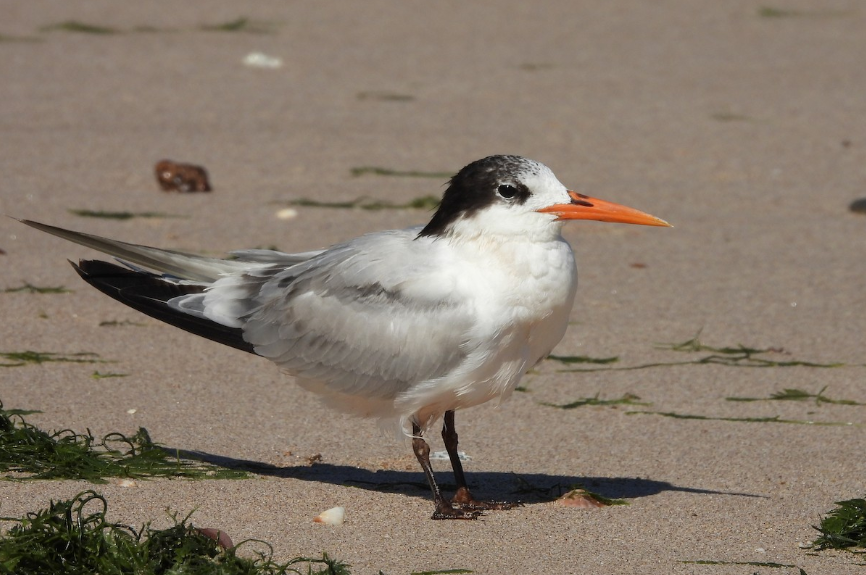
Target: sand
[[744, 128]]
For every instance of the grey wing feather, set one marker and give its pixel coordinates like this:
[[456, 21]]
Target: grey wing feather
[[181, 265], [349, 321], [273, 256], [178, 264]]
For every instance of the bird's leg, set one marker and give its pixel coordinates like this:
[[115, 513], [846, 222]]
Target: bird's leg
[[449, 436], [444, 509], [463, 498]]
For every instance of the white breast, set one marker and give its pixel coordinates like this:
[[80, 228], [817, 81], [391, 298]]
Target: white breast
[[522, 294]]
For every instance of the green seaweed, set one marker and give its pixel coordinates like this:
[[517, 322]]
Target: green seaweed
[[385, 96], [569, 359], [121, 215], [19, 358], [739, 354], [730, 117], [98, 375], [97, 29], [74, 537], [30, 288], [380, 171], [770, 419], [627, 399], [242, 24], [231, 26], [771, 12], [732, 356], [794, 394], [769, 564], [115, 323], [31, 453], [844, 527], [80, 27], [421, 203]]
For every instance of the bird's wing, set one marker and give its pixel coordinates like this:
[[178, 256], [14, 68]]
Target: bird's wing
[[177, 264], [369, 317], [273, 256]]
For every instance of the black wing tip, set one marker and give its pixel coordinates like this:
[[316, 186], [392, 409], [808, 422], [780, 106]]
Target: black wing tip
[[149, 294], [98, 269]]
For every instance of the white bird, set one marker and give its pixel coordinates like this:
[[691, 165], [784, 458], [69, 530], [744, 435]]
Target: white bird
[[402, 325]]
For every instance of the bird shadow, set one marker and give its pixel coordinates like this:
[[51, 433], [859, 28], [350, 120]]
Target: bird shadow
[[526, 488]]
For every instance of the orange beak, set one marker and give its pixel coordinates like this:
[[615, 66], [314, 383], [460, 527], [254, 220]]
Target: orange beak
[[586, 208]]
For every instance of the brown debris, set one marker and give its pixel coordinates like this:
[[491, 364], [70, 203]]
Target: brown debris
[[177, 177]]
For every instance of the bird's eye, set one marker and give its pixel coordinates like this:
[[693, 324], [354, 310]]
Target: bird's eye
[[507, 191]]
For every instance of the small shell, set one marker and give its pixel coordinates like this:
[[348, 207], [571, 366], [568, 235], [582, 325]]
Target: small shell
[[287, 213], [579, 498], [259, 60], [131, 411], [221, 537], [126, 483], [333, 516]]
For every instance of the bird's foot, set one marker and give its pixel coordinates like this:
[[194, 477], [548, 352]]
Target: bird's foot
[[445, 510], [463, 500]]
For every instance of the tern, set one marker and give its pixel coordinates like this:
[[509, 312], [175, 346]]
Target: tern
[[406, 326]]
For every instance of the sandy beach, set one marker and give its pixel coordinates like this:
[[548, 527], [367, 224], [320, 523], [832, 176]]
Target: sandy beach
[[742, 123]]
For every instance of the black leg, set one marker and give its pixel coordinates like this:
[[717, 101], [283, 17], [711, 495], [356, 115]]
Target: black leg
[[449, 436], [444, 509], [463, 498]]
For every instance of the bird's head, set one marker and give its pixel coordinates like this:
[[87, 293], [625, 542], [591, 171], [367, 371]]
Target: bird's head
[[512, 195]]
